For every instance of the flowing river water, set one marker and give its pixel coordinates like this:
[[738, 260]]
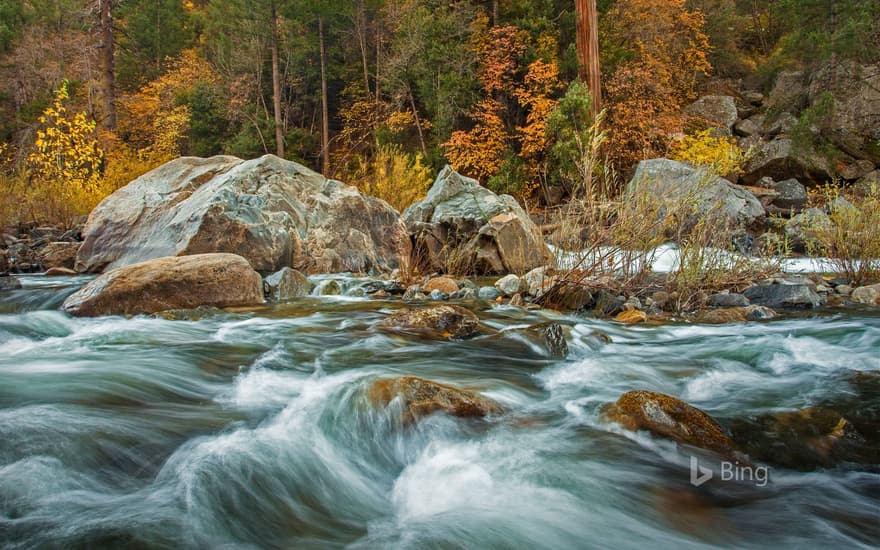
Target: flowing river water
[[251, 429]]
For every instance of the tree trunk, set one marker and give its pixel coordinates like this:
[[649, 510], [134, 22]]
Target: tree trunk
[[325, 117], [588, 49], [108, 71], [362, 41], [276, 87]]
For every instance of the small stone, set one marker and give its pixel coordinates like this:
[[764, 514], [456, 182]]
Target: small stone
[[411, 293], [444, 284], [509, 284], [632, 317], [517, 300], [844, 290], [437, 295], [488, 293], [329, 288]]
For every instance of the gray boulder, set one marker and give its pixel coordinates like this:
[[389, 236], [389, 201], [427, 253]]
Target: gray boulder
[[463, 227], [789, 92], [273, 212], [792, 195], [780, 160], [719, 110], [784, 296], [666, 180]]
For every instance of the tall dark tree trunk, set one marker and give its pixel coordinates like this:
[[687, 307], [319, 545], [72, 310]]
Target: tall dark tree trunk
[[276, 86], [108, 70], [325, 116], [588, 49]]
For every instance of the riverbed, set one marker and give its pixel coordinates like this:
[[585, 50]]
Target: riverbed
[[251, 429]]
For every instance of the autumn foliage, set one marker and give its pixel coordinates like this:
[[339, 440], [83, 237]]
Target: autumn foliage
[[666, 51], [509, 122]]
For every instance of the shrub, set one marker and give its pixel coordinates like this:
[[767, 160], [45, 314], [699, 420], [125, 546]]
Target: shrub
[[852, 241], [720, 154], [397, 177]]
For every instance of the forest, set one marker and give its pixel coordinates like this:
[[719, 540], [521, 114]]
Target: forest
[[382, 93]]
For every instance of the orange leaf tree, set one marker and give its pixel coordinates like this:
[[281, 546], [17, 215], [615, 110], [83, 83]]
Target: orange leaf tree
[[664, 48]]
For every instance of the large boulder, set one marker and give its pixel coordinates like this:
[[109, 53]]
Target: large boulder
[[462, 226], [781, 159], [719, 110], [789, 92], [177, 282], [852, 120], [666, 180], [792, 195], [273, 212], [419, 398], [666, 416]]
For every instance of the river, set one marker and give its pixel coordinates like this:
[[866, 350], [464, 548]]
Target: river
[[251, 429]]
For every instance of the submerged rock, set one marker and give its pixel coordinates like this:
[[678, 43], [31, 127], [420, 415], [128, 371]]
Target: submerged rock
[[273, 212], [449, 322], [666, 416], [180, 282], [419, 397], [549, 336], [461, 226], [805, 439], [286, 284], [8, 282], [736, 315]]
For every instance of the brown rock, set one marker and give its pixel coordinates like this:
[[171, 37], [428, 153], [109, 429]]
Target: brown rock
[[178, 282], [60, 254], [736, 315], [869, 295], [631, 317], [419, 397], [672, 418], [449, 322], [443, 284]]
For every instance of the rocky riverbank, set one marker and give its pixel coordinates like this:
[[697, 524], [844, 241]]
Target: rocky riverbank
[[283, 221]]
